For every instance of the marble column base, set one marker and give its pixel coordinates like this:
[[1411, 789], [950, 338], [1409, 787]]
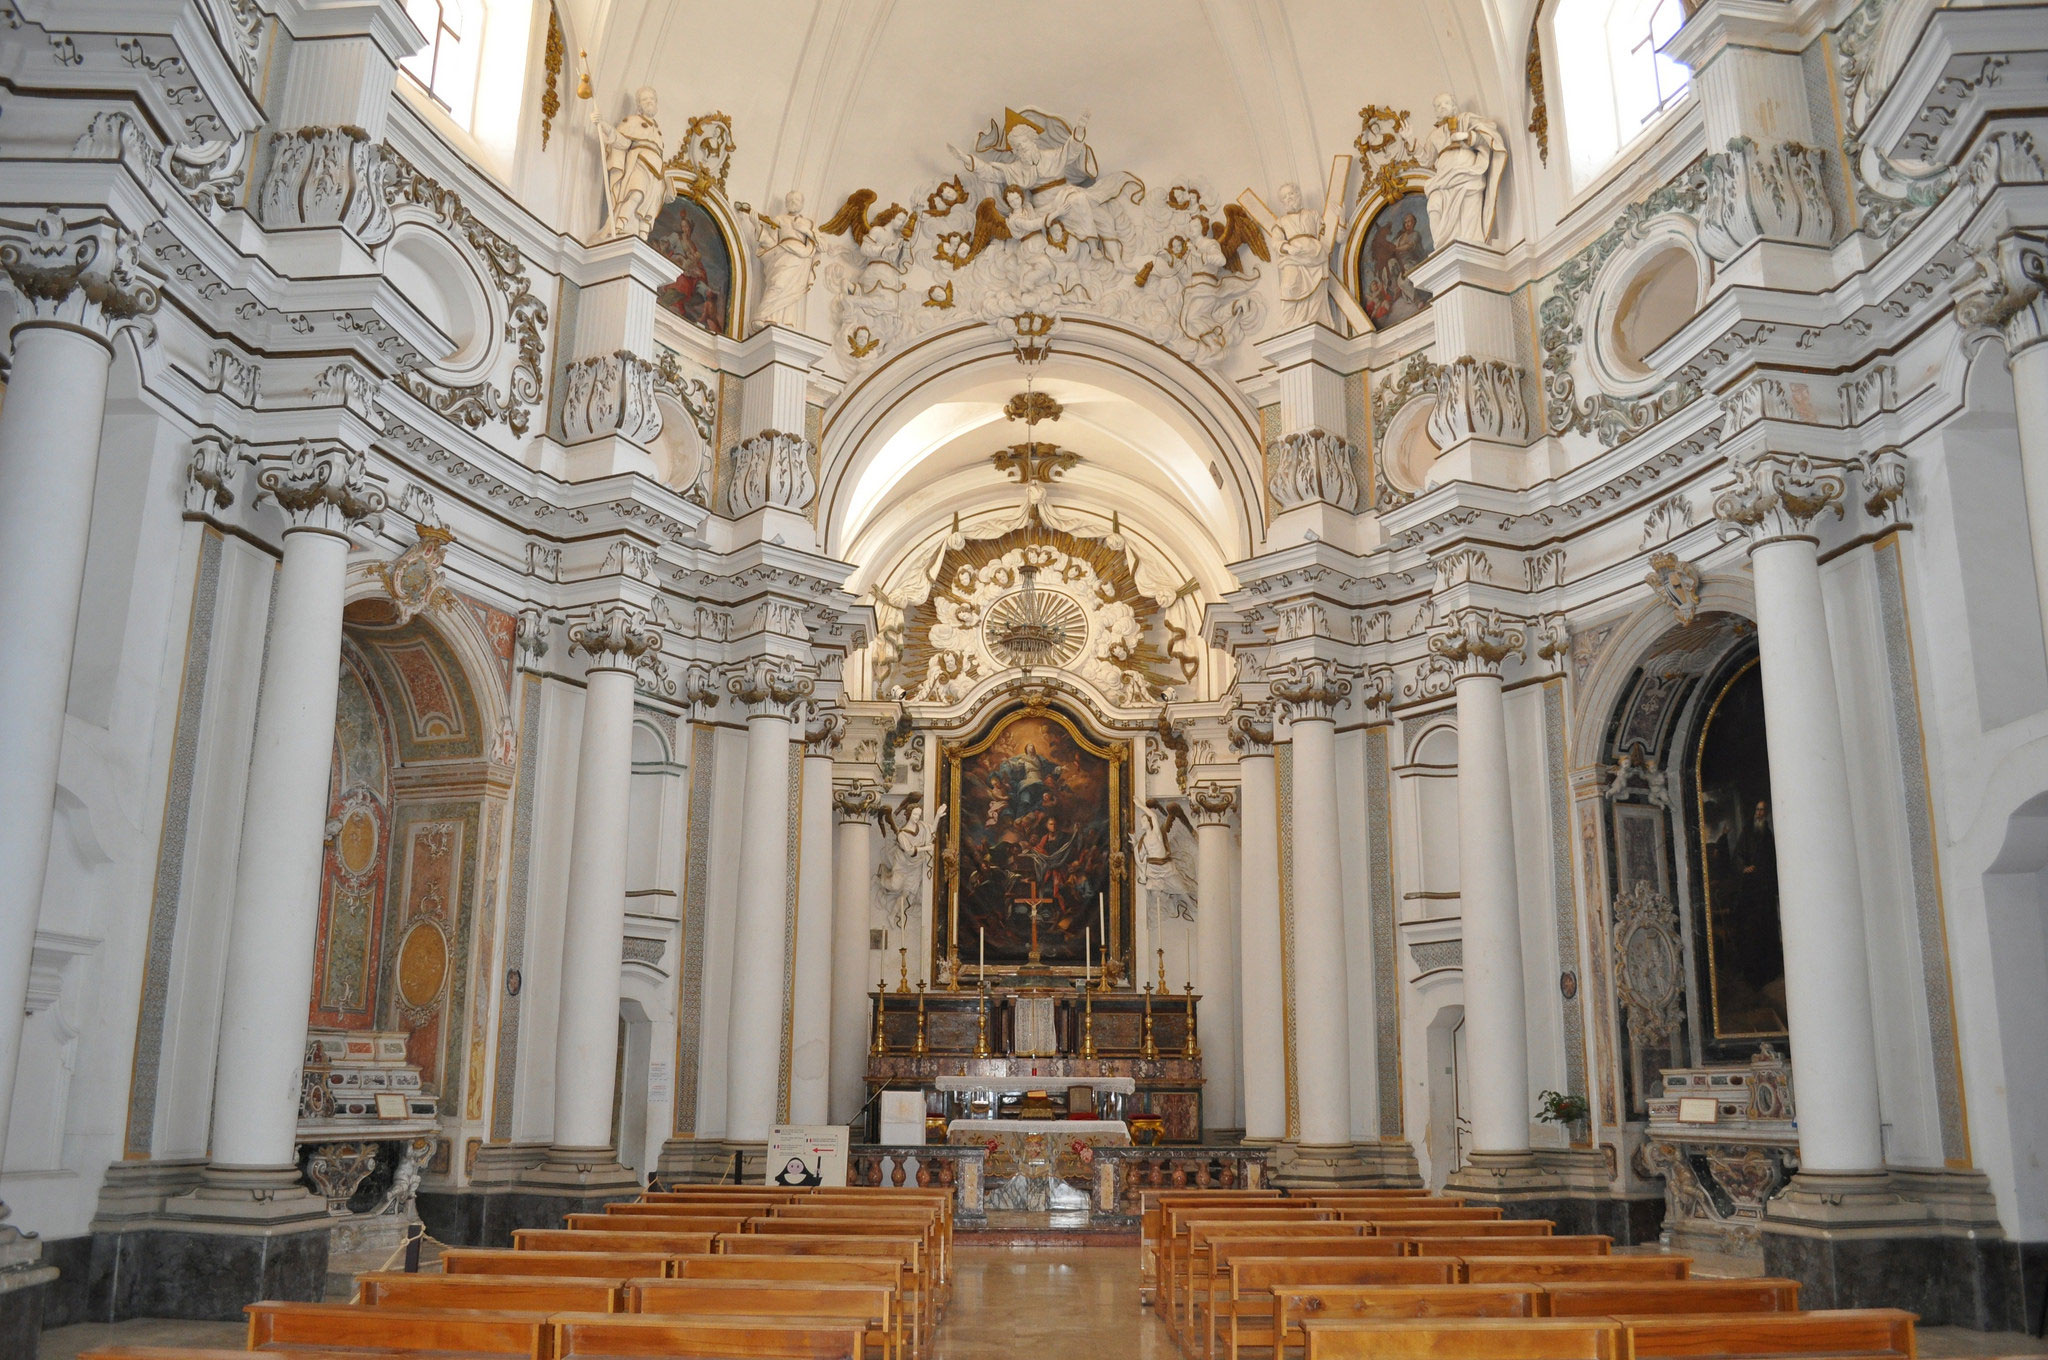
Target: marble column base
[[709, 1161], [1321, 1166], [1864, 1241], [581, 1171], [256, 1199], [24, 1288], [1501, 1175], [202, 1271]]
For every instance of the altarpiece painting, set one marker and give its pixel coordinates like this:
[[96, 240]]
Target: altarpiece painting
[[701, 292], [1036, 818], [1745, 954]]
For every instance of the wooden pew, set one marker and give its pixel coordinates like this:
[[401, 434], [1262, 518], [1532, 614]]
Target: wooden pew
[[231, 1353], [869, 1210], [1368, 1195], [1252, 1280], [496, 1293], [602, 1265], [1459, 1227], [1612, 1298], [1197, 1285], [872, 1306], [684, 1193], [1433, 1244], [1152, 1203], [687, 1223], [579, 1336], [869, 1270], [744, 1208], [1294, 1303], [907, 1251], [1465, 1339], [589, 1239], [1834, 1332], [289, 1326], [1173, 1222], [920, 1226], [1415, 1213], [1571, 1269]]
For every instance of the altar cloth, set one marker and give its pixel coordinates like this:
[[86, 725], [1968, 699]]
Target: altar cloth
[[1009, 1084]]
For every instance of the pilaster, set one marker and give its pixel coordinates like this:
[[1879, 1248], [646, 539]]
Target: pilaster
[[1481, 417]]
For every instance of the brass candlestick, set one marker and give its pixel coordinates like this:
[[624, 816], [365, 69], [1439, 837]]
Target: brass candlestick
[[1189, 1048], [1162, 972], [903, 971], [1087, 1024], [1151, 1049], [953, 970], [881, 1044], [981, 1024], [919, 1050]]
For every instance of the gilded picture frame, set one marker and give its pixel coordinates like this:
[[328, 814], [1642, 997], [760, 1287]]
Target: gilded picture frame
[[1055, 819]]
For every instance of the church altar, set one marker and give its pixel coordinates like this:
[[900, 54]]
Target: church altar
[[1144, 1062], [1039, 1164]]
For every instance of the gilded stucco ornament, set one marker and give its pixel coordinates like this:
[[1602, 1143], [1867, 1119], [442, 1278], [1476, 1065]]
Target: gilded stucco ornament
[[1677, 584], [615, 636], [1777, 495], [324, 488], [1477, 641], [85, 272]]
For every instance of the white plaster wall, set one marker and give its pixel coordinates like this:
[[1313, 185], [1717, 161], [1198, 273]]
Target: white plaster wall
[[1912, 1129], [554, 810], [1356, 900], [1529, 786], [213, 842], [721, 895]]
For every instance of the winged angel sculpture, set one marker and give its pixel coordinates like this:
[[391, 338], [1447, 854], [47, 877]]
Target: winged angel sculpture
[[906, 858], [1031, 224], [1165, 860]]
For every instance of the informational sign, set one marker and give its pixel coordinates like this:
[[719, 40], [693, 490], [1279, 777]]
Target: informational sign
[[1698, 1110], [806, 1154]]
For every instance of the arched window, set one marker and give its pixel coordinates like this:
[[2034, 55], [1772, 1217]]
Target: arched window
[[1613, 76], [446, 66]]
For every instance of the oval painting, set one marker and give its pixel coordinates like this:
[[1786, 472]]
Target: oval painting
[[701, 292], [1395, 241], [422, 965]]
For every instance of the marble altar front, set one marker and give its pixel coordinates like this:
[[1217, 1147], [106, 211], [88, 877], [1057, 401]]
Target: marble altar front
[[1039, 1165]]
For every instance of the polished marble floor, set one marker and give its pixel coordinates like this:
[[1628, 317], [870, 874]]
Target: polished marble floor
[[1009, 1303]]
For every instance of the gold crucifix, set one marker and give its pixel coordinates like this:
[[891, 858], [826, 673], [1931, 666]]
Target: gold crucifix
[[1034, 902]]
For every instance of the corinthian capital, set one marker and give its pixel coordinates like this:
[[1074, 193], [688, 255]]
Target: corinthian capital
[[2008, 290], [823, 730], [322, 490], [1213, 803], [1311, 690], [615, 637], [1376, 692], [86, 272], [856, 802], [1251, 729], [1777, 496], [771, 687], [1476, 642]]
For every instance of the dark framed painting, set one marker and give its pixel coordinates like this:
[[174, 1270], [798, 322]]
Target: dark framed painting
[[701, 293], [1745, 953], [1393, 243], [1035, 816]]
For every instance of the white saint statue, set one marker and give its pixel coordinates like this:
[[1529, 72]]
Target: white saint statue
[[1165, 863], [1465, 155], [633, 187], [1301, 245], [789, 262]]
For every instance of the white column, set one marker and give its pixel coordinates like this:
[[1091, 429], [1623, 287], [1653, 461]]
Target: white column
[[614, 637], [1322, 1012], [269, 974], [67, 311], [2005, 291], [1216, 953], [812, 1007], [853, 891], [1496, 1013], [1774, 501], [770, 687], [1258, 923]]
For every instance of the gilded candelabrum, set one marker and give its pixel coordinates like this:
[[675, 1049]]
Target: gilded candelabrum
[[1087, 1023], [1189, 1048], [1151, 1048], [919, 1050], [881, 1044], [981, 1024], [903, 971]]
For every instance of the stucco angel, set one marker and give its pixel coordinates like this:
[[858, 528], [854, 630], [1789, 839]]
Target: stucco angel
[[1163, 853], [906, 858]]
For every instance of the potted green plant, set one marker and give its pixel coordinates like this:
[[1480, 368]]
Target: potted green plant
[[1558, 1108]]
